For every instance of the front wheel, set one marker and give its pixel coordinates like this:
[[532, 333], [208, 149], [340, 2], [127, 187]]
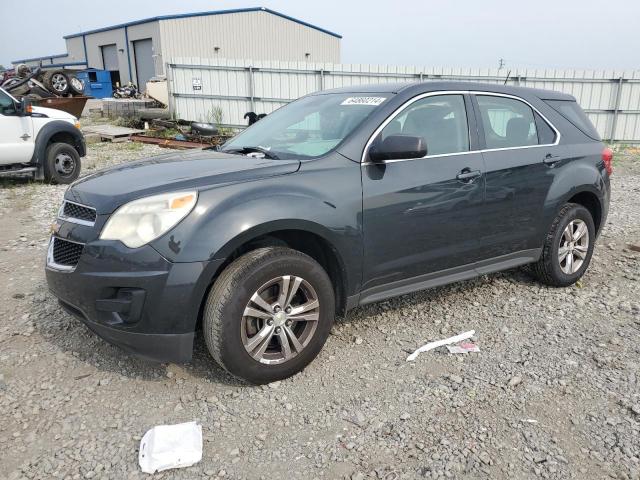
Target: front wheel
[[61, 163], [269, 314], [568, 247]]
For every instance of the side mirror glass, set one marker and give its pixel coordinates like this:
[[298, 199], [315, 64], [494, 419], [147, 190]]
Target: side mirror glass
[[396, 147]]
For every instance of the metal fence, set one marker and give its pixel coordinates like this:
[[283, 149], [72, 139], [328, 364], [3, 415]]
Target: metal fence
[[223, 91]]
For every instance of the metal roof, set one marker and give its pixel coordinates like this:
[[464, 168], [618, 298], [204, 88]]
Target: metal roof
[[203, 14], [45, 57]]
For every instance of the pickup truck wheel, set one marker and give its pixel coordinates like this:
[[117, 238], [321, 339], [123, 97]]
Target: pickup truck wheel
[[568, 247], [61, 164], [76, 85], [268, 314], [57, 81]]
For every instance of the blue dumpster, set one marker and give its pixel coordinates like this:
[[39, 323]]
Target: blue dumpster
[[97, 83]]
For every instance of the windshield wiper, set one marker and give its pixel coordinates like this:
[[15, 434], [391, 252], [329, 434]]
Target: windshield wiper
[[246, 150]]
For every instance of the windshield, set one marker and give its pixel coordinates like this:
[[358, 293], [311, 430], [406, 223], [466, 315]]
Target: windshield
[[309, 127]]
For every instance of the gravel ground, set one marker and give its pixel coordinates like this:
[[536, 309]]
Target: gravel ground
[[554, 392]]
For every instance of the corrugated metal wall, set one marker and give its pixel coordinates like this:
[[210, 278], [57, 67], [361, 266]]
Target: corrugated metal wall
[[257, 35], [237, 86]]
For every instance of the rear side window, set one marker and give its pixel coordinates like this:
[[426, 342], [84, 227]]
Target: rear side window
[[572, 112], [507, 122]]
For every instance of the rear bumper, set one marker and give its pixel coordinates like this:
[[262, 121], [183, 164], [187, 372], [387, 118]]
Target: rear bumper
[[135, 298]]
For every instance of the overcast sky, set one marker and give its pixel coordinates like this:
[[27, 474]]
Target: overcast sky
[[544, 33]]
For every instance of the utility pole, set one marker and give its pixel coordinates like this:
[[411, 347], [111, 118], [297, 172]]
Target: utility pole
[[500, 63]]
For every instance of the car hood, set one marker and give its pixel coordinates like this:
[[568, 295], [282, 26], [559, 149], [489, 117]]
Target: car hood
[[54, 113], [108, 189]]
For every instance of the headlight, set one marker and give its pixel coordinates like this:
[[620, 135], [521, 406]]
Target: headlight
[[141, 221]]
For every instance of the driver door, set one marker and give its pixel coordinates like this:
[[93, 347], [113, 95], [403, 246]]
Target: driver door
[[16, 133], [423, 215]]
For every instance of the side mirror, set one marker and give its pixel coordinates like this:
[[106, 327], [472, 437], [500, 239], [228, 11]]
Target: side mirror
[[23, 107], [396, 147]]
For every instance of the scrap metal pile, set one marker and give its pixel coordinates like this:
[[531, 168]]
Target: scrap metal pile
[[39, 84], [176, 134]]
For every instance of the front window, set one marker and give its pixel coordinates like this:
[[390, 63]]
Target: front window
[[309, 127], [441, 120], [7, 104]]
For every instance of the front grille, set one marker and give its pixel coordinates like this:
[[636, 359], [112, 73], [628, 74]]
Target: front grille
[[66, 253], [80, 212]]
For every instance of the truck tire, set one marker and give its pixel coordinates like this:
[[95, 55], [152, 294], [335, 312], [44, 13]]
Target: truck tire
[[57, 81], [268, 314], [61, 163], [568, 247]]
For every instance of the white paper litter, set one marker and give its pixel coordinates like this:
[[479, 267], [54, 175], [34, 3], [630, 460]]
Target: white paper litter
[[440, 343], [464, 347], [529, 420], [170, 446]]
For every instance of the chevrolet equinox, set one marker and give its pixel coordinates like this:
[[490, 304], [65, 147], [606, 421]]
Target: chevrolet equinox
[[339, 199]]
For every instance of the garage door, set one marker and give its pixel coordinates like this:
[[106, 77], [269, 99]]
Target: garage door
[[145, 67], [110, 57]]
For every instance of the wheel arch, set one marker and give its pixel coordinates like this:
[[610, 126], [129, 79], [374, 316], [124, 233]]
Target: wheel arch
[[307, 237], [589, 200], [57, 131]]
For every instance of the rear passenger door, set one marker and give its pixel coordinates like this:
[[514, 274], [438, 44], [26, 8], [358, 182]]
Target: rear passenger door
[[519, 151]]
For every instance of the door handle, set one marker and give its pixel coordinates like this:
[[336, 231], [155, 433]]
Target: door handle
[[550, 159], [467, 175]]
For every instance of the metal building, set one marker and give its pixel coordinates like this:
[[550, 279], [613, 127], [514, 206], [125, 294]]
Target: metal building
[[138, 50]]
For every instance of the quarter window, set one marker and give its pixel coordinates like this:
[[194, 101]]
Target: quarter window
[[441, 120], [546, 135], [507, 122]]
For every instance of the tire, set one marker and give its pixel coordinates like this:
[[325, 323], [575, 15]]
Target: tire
[[227, 328], [550, 269], [57, 81], [76, 86], [61, 163]]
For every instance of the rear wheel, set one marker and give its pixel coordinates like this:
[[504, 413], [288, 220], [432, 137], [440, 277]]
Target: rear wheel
[[61, 164], [568, 247], [269, 314]]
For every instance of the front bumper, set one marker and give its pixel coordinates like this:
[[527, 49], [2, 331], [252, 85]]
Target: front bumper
[[135, 298], [160, 347]]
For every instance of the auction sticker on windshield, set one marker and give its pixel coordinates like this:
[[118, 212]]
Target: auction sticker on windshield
[[374, 101]]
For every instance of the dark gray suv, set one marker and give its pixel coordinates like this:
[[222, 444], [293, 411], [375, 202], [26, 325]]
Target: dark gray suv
[[339, 199]]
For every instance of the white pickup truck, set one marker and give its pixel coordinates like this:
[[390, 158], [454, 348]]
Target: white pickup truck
[[45, 142]]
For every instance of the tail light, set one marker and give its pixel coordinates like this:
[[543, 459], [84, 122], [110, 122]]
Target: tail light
[[607, 158]]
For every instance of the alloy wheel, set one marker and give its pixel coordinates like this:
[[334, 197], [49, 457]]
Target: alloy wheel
[[574, 246], [59, 82], [280, 319], [77, 84]]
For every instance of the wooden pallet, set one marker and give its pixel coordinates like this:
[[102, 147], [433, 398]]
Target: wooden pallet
[[112, 133]]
